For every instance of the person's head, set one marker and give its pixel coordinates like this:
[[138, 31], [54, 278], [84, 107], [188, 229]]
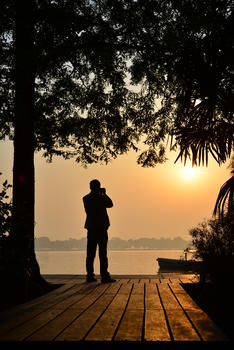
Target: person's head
[[95, 185]]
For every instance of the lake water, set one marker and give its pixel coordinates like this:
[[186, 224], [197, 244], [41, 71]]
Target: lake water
[[127, 262]]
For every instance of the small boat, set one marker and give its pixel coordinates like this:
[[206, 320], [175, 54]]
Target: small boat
[[179, 265]]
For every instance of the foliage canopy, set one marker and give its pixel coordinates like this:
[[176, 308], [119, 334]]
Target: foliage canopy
[[102, 67]]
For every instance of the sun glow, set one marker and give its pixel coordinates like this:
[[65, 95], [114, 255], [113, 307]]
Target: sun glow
[[189, 172]]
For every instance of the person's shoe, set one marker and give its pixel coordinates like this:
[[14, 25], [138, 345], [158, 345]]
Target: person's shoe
[[91, 279], [108, 280]]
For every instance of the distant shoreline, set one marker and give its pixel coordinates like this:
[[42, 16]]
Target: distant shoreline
[[115, 243], [117, 250]]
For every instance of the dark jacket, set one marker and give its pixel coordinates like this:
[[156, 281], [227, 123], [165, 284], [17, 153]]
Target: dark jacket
[[95, 205]]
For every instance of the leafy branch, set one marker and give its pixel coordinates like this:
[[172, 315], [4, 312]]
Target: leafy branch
[[5, 210]]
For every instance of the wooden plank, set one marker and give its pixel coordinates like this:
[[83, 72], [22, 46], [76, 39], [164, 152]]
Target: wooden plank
[[144, 280], [45, 298], [138, 288], [124, 280], [181, 328], [131, 326], [168, 299], [155, 323], [105, 328], [125, 288], [78, 329], [174, 280], [136, 300], [154, 280], [114, 287], [132, 309], [188, 279], [185, 300], [28, 311], [207, 329], [51, 329], [164, 280], [152, 300], [25, 329], [135, 280], [90, 298], [155, 326]]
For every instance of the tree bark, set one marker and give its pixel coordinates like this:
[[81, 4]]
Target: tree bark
[[23, 168], [22, 234]]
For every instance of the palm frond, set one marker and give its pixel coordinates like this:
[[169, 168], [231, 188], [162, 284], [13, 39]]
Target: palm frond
[[198, 144], [225, 202]]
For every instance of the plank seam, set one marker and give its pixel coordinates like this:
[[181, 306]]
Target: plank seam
[[83, 311], [124, 311], [62, 311], [143, 321], [40, 310], [165, 314], [102, 313], [186, 314]]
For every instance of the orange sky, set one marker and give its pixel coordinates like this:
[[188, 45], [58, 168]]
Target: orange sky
[[156, 202]]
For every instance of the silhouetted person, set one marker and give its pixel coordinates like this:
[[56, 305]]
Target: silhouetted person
[[97, 223]]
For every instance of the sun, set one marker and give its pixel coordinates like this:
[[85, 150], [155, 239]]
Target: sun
[[189, 172]]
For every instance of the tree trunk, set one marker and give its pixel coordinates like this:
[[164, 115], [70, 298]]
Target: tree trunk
[[23, 169], [24, 266]]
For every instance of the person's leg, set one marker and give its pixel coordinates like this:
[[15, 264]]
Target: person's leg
[[91, 252], [102, 244]]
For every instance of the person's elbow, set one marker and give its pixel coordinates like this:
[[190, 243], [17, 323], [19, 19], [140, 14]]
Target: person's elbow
[[110, 204]]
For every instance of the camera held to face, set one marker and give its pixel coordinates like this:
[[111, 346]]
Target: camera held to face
[[102, 190]]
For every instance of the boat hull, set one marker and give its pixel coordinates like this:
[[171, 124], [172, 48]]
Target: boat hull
[[179, 265]]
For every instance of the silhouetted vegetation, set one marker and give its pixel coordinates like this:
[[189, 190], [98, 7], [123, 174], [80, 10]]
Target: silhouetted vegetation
[[224, 206], [5, 210], [214, 239], [214, 243], [115, 243]]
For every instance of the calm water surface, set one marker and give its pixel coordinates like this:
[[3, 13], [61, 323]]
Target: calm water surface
[[126, 262]]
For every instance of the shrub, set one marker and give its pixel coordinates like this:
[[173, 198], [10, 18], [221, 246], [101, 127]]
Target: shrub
[[214, 243]]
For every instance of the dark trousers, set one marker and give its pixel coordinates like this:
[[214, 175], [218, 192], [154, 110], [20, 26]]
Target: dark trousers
[[97, 238]]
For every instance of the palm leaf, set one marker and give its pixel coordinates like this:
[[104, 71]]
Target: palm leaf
[[225, 201], [197, 144]]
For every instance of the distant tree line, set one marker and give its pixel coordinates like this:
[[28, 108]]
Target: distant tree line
[[115, 243]]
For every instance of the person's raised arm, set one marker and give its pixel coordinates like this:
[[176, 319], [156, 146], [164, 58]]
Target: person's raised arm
[[107, 201]]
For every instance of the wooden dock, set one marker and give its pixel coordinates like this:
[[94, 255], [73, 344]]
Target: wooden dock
[[135, 308]]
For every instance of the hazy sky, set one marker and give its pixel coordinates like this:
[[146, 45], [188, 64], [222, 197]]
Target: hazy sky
[[165, 201]]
